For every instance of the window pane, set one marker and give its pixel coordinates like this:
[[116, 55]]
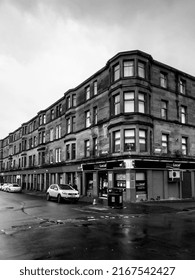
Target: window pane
[[129, 102], [141, 69], [116, 72], [128, 68]]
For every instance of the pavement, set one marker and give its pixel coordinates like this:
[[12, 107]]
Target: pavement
[[146, 207]]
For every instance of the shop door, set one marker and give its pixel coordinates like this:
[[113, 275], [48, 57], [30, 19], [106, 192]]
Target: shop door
[[186, 185], [103, 184]]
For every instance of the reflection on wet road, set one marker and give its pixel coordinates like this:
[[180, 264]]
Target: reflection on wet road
[[32, 228]]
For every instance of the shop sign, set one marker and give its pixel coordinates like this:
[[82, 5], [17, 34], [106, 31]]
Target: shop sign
[[140, 186], [18, 177], [173, 165], [100, 166]]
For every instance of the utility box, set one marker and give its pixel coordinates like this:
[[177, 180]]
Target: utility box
[[115, 198]]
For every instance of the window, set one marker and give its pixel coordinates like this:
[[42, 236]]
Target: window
[[141, 70], [165, 139], [58, 110], [182, 86], [51, 134], [117, 141], [129, 140], [30, 161], [51, 156], [58, 155], [142, 140], [95, 147], [87, 93], [183, 114], [58, 131], [163, 80], [41, 158], [35, 141], [41, 137], [141, 103], [95, 115], [184, 145], [95, 88], [164, 110], [68, 128], [117, 104], [44, 118], [52, 114], [68, 151], [73, 124], [129, 102], [116, 73], [87, 148], [68, 102], [73, 151], [128, 68], [74, 100], [87, 119]]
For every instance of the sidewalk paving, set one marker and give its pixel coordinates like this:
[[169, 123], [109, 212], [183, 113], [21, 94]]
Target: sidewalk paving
[[146, 207]]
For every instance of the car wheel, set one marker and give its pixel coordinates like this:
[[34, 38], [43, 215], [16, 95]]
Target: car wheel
[[59, 198], [48, 197]]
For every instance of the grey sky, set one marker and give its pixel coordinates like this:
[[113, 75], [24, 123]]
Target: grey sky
[[49, 46]]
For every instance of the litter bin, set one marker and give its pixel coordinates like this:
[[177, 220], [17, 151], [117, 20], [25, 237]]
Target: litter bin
[[115, 198]]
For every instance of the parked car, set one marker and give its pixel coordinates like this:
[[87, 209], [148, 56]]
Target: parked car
[[3, 188], [62, 191], [14, 187], [1, 184]]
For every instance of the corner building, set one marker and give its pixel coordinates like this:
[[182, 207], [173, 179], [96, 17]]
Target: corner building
[[131, 125]]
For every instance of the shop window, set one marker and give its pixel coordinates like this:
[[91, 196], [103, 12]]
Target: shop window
[[120, 181], [103, 184], [141, 187]]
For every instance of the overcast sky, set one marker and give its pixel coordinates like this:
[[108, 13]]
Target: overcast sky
[[50, 46]]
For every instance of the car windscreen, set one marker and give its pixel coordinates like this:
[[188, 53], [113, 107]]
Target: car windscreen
[[65, 187]]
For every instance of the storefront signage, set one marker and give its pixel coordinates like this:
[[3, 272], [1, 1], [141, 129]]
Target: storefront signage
[[173, 165], [100, 166]]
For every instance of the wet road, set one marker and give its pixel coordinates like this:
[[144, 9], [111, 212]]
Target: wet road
[[33, 228]]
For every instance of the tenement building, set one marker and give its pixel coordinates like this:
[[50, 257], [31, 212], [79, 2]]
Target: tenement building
[[131, 125]]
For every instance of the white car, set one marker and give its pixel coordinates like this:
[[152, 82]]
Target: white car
[[3, 188], [62, 191], [1, 185], [14, 187]]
